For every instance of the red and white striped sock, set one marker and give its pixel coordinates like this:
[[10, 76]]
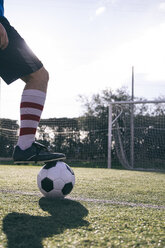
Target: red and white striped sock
[[31, 107]]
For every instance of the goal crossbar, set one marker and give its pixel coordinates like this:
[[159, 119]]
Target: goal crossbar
[[136, 102]]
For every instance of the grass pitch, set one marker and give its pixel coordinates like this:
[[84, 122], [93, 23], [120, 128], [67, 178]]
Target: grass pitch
[[107, 208]]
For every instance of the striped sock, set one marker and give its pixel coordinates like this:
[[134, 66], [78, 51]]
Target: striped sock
[[31, 107]]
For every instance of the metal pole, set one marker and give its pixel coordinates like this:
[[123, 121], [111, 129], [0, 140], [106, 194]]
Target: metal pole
[[132, 123], [0, 101], [132, 83], [0, 110], [109, 135], [0, 98]]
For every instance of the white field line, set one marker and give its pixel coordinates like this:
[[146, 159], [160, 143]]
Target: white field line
[[101, 201], [130, 204]]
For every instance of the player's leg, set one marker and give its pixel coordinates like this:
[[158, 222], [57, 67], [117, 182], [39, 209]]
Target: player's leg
[[31, 107], [37, 80], [32, 104], [18, 61]]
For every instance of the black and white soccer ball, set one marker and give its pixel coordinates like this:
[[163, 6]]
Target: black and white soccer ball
[[56, 179]]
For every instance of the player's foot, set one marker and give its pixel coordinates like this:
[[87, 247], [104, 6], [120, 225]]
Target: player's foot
[[36, 153]]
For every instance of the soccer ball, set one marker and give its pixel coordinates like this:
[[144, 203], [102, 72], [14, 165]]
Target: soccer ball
[[55, 179]]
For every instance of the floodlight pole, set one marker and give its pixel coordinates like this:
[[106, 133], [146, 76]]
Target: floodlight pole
[[132, 124]]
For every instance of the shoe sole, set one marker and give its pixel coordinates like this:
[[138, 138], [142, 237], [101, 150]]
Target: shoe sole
[[43, 161]]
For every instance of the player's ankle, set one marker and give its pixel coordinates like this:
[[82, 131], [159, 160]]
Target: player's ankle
[[24, 146]]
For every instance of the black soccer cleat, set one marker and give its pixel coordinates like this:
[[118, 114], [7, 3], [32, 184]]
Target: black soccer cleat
[[36, 153]]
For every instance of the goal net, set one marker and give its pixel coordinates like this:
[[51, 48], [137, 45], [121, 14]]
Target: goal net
[[8, 138], [82, 139], [137, 131]]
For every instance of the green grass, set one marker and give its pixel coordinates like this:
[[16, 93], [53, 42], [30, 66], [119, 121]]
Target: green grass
[[28, 220]]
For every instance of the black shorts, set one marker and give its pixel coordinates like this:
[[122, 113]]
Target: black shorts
[[17, 60]]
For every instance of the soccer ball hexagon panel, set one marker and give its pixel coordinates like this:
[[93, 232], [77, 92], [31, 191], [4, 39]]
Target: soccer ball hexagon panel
[[56, 179]]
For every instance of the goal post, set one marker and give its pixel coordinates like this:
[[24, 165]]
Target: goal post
[[109, 136], [136, 134]]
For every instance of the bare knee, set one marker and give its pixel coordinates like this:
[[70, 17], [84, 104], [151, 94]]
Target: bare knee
[[37, 80], [43, 75]]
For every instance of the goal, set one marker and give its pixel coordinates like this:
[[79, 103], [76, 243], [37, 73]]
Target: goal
[[136, 134]]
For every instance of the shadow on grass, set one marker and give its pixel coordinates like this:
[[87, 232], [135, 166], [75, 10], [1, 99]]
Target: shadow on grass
[[27, 231]]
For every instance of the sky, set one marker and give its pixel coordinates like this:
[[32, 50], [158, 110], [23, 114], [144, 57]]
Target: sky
[[88, 46]]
